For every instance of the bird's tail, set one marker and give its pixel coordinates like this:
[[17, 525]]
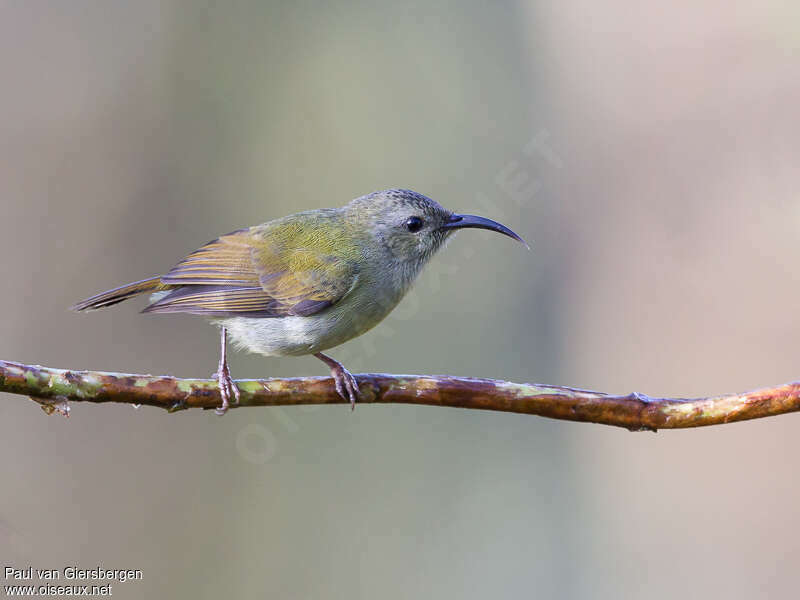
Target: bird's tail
[[119, 294]]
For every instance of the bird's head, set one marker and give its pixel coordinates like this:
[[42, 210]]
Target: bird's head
[[412, 226]]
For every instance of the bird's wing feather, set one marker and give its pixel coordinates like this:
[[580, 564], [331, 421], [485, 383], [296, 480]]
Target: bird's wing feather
[[216, 301], [247, 274], [224, 261]]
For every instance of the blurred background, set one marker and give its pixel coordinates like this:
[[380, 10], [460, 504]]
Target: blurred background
[[649, 153]]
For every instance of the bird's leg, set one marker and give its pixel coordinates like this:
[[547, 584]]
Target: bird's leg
[[226, 385], [346, 384]]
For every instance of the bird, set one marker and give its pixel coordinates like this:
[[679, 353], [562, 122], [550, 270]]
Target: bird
[[307, 282]]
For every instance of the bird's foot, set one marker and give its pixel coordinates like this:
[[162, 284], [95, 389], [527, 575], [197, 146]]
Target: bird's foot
[[346, 384], [227, 389]]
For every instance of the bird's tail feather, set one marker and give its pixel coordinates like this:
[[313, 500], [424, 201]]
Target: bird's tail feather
[[119, 294]]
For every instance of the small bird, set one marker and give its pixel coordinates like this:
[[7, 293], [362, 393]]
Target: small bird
[[307, 282]]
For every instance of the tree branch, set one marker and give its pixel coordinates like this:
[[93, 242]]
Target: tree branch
[[53, 388]]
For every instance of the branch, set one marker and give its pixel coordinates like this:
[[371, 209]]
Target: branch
[[53, 388]]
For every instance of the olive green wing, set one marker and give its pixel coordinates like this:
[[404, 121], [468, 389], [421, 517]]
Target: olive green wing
[[248, 273]]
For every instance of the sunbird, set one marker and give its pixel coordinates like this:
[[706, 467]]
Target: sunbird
[[306, 282]]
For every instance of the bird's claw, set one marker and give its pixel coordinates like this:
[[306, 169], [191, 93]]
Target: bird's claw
[[227, 388], [346, 385]]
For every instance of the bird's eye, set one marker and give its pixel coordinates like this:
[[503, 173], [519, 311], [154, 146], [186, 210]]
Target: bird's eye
[[414, 224]]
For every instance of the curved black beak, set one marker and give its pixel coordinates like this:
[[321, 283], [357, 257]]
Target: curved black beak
[[466, 221]]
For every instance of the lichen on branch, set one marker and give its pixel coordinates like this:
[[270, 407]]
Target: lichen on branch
[[54, 388]]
